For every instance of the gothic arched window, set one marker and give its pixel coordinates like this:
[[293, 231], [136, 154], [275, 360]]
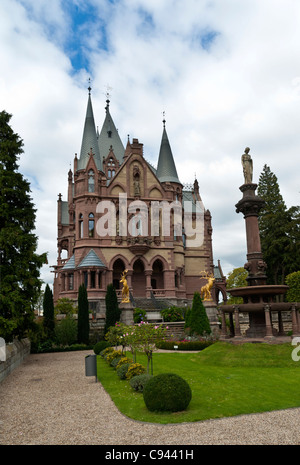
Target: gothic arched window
[[91, 181]]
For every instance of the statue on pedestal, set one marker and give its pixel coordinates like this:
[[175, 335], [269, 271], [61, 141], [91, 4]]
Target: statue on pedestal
[[125, 290], [247, 166]]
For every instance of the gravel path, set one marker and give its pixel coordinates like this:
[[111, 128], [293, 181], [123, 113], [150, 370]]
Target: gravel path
[[48, 400]]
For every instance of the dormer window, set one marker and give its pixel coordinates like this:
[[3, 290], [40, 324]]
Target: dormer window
[[91, 181]]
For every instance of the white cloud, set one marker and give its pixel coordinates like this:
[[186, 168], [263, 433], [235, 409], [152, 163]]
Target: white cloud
[[225, 73]]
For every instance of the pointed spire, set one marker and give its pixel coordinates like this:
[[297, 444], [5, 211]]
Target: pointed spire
[[109, 136], [89, 138], [166, 169]]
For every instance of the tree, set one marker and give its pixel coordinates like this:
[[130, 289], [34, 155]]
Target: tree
[[83, 325], [279, 230], [144, 337], [236, 278], [198, 320], [113, 312], [19, 263], [293, 281], [48, 313]]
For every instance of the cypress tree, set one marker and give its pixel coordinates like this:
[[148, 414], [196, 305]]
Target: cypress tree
[[198, 320], [83, 327], [48, 313], [279, 230], [19, 263], [113, 312]]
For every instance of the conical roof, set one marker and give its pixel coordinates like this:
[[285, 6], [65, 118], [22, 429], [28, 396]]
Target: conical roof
[[91, 259], [109, 137], [89, 139], [166, 169]]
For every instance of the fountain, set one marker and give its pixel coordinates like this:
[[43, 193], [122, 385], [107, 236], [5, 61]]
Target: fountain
[[260, 300]]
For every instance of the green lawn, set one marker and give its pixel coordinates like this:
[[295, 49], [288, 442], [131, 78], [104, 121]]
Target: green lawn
[[225, 379]]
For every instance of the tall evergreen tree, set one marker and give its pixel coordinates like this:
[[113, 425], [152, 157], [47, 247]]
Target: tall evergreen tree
[[83, 327], [198, 319], [48, 313], [279, 230], [113, 312], [19, 263]]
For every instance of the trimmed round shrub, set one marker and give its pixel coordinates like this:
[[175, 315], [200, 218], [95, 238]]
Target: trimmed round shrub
[[139, 382], [134, 370], [99, 346], [122, 370], [167, 392], [123, 360]]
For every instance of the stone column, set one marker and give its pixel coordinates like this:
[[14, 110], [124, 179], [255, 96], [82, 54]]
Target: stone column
[[294, 320], [148, 274], [237, 322], [223, 329], [269, 331]]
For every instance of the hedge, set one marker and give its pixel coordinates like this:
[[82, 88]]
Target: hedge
[[184, 345]]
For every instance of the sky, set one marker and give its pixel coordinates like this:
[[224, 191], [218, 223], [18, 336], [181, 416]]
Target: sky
[[226, 74]]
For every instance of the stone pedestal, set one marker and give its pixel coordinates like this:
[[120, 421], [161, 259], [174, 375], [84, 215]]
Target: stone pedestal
[[126, 313], [212, 314]]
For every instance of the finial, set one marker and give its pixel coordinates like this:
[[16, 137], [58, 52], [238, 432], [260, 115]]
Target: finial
[[107, 94], [89, 88], [164, 120]]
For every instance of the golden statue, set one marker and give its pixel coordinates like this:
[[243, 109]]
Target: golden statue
[[247, 166], [205, 290], [125, 289]]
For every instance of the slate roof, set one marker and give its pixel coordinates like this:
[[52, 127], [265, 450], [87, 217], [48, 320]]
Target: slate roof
[[89, 140], [91, 259], [109, 136], [166, 169], [70, 265]]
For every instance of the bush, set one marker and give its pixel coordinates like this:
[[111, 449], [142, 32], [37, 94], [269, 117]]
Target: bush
[[115, 362], [184, 345], [106, 351], [172, 314], [122, 370], [293, 281], [123, 360], [101, 345], [66, 331], [139, 382], [111, 355], [167, 392], [134, 370], [139, 315]]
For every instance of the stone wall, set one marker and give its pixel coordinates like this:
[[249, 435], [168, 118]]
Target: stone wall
[[15, 354]]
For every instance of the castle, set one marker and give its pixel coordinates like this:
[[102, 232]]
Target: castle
[[123, 214]]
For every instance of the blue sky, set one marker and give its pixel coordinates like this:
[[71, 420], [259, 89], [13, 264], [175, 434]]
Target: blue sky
[[226, 74]]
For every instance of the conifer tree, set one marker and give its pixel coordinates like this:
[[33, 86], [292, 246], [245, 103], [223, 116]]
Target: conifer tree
[[19, 263], [279, 230], [112, 308], [83, 327], [48, 313], [198, 320]]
